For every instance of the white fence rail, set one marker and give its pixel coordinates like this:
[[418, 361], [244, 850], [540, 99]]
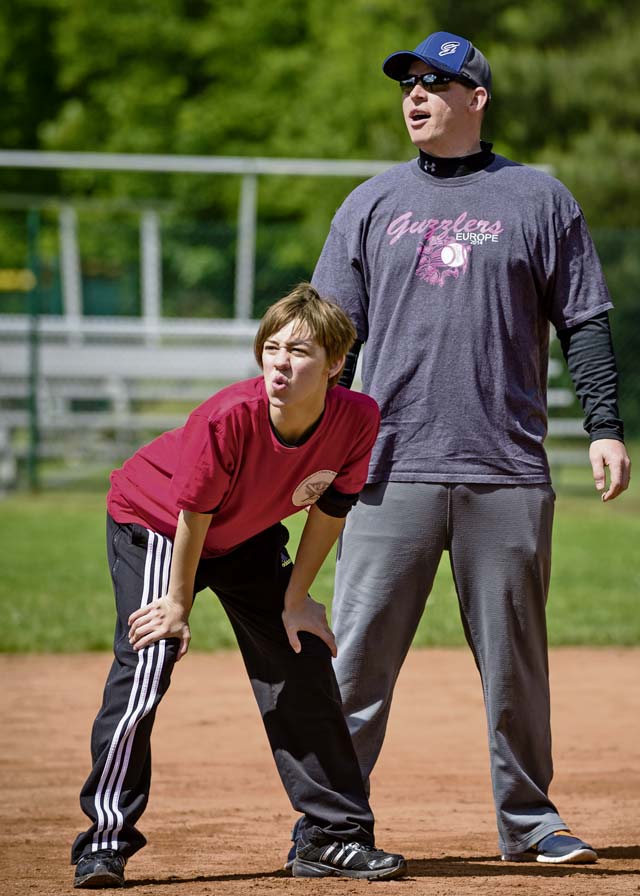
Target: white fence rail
[[133, 372]]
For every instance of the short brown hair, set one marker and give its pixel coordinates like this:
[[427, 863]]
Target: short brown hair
[[326, 321]]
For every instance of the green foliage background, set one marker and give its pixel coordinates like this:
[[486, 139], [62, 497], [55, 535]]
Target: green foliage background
[[304, 79], [301, 79]]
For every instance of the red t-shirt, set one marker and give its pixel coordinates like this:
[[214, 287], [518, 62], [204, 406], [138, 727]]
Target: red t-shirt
[[226, 460]]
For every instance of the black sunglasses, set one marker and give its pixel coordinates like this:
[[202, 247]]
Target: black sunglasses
[[431, 81]]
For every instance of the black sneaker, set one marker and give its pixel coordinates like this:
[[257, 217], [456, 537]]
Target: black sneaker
[[339, 859], [288, 865], [103, 868], [291, 857]]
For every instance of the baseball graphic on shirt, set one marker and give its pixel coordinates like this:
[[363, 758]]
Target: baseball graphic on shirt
[[453, 255], [312, 487], [439, 260]]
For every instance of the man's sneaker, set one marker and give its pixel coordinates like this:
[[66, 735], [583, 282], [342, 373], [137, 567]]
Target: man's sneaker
[[103, 868], [556, 849], [339, 859]]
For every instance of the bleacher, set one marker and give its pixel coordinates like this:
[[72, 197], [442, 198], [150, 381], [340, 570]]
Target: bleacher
[[104, 385]]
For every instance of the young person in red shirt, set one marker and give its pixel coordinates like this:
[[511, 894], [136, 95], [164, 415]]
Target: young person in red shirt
[[201, 506]]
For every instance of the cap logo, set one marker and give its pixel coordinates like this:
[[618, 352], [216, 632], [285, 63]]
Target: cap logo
[[448, 48]]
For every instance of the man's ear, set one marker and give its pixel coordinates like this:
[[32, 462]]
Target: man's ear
[[479, 100]]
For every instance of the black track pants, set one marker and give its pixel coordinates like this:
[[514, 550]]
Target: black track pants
[[297, 693]]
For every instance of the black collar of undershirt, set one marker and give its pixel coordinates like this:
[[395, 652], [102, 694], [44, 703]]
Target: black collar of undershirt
[[303, 438], [457, 167]]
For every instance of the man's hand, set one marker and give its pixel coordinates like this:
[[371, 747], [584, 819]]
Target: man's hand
[[308, 616], [610, 453], [162, 618]]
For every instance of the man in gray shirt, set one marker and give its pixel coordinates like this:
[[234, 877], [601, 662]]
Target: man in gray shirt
[[451, 267]]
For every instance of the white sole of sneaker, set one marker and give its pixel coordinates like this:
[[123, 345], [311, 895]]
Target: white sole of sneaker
[[577, 857], [580, 856]]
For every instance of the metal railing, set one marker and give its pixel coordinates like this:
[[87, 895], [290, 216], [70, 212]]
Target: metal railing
[[249, 169]]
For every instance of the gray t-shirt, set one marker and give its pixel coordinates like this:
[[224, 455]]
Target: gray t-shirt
[[451, 283]]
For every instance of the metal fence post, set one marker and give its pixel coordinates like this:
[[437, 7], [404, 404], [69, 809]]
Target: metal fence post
[[33, 263], [246, 247], [151, 272], [70, 269]]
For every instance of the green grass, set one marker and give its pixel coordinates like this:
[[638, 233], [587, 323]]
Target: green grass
[[55, 591]]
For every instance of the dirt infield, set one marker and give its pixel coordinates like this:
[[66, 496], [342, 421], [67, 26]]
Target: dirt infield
[[218, 820]]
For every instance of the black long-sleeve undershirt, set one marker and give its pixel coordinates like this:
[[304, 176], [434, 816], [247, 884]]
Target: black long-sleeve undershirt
[[588, 351], [351, 361]]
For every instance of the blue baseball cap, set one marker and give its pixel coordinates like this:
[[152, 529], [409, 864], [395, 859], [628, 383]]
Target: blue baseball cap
[[448, 53]]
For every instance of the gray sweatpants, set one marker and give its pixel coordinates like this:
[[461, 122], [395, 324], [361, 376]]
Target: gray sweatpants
[[499, 543]]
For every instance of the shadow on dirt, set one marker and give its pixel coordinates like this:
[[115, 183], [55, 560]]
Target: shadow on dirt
[[619, 852], [491, 866], [445, 866], [205, 879]]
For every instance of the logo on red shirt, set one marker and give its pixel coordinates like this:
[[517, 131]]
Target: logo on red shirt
[[312, 487]]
